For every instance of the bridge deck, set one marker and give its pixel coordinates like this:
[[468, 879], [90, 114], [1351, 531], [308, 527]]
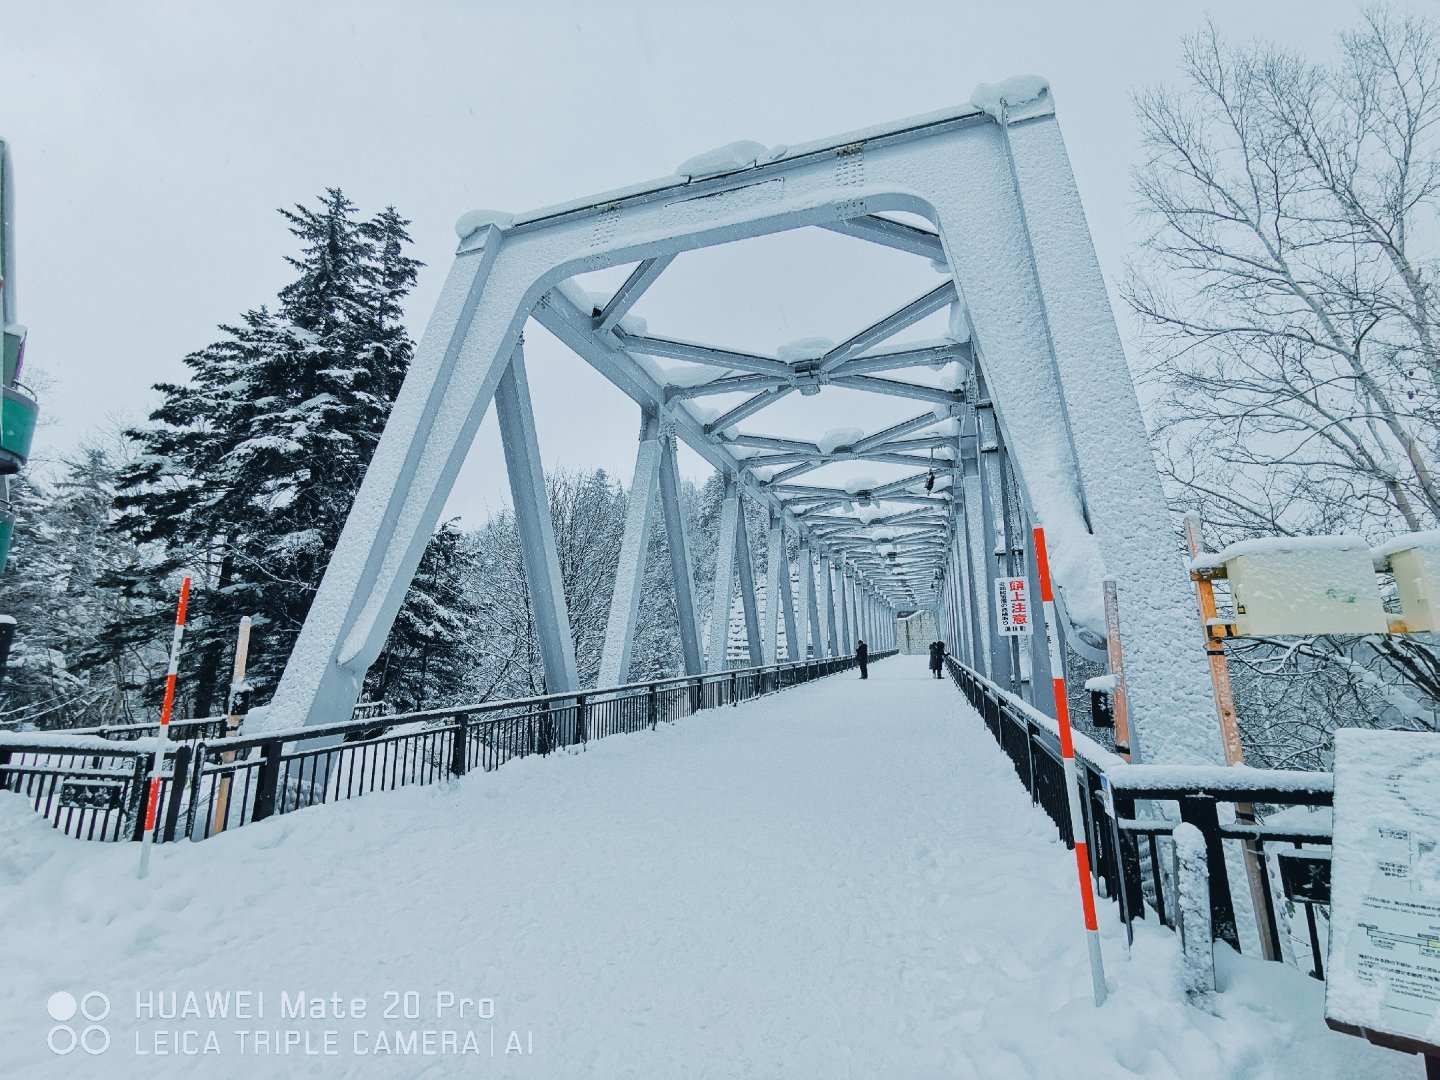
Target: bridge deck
[[843, 880]]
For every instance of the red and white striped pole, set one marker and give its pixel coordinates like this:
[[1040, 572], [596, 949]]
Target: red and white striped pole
[[152, 802], [1067, 755]]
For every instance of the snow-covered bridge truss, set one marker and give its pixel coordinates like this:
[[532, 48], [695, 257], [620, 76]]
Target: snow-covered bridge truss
[[1041, 424]]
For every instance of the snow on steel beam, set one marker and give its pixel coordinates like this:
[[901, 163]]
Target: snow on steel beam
[[921, 442], [635, 285], [810, 491], [891, 324], [936, 355], [703, 354], [737, 385], [899, 459], [772, 442], [896, 486], [794, 471], [895, 388], [892, 234], [894, 431], [747, 408], [922, 513]]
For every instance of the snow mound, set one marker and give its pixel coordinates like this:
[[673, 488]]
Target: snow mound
[[809, 348], [743, 154], [835, 438], [860, 483], [1017, 98], [634, 325], [1404, 542], [474, 220], [1277, 545]]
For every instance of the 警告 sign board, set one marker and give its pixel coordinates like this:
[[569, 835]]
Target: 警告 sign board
[[1384, 969], [1012, 606]]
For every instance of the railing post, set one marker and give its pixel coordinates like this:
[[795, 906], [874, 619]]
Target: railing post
[[1132, 892], [1200, 811], [460, 746], [1030, 757], [1192, 859], [581, 720], [4, 776], [267, 781], [197, 775], [179, 770], [653, 705], [135, 812], [734, 688]]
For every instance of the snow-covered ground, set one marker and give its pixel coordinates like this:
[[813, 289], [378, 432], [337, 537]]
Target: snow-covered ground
[[845, 880]]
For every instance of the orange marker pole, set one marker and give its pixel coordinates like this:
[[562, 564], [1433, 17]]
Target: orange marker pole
[[1067, 755], [152, 801]]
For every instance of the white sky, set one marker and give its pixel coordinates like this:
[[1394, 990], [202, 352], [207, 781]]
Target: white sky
[[152, 142]]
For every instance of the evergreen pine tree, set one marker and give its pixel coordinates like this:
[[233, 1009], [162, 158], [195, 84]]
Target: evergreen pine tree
[[247, 471]]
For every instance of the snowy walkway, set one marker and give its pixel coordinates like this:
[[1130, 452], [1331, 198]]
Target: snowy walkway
[[844, 880]]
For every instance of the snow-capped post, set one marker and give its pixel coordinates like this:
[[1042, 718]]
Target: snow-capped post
[[1192, 883], [1255, 868], [234, 713], [1067, 754], [1124, 745], [152, 799]]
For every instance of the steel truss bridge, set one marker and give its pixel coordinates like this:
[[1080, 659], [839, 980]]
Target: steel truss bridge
[[1041, 425]]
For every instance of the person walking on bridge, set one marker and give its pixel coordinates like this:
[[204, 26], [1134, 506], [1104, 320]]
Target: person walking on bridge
[[862, 657], [937, 657]]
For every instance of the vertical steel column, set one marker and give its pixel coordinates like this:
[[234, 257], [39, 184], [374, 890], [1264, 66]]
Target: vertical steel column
[[532, 522], [810, 613], [774, 560], [794, 648], [980, 601], [747, 591], [832, 638], [1013, 545], [677, 536], [724, 578], [630, 573], [990, 537], [847, 638]]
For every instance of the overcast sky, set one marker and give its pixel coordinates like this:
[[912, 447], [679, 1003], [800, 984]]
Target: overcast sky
[[152, 143]]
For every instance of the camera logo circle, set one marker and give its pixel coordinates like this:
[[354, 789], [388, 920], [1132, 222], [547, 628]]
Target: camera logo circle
[[93, 1038]]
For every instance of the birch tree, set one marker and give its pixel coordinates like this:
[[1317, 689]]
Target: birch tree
[[1286, 294]]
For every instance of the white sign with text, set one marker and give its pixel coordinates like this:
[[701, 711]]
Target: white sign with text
[[1012, 606]]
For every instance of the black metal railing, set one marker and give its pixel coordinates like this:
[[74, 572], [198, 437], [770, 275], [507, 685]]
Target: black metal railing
[[91, 784], [1126, 856]]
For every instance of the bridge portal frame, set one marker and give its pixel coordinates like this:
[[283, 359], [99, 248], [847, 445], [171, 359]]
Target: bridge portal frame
[[996, 185]]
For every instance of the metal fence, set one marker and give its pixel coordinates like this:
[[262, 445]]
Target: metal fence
[[1127, 852], [91, 783]]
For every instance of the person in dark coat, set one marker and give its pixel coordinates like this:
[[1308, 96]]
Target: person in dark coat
[[937, 657], [862, 657]]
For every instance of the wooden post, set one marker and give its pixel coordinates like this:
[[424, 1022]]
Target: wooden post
[[1116, 659], [1255, 872], [233, 717]]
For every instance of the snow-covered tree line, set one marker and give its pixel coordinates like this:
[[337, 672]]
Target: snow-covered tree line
[[1286, 293], [242, 477]]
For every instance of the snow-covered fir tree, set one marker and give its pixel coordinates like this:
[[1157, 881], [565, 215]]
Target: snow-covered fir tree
[[246, 471]]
